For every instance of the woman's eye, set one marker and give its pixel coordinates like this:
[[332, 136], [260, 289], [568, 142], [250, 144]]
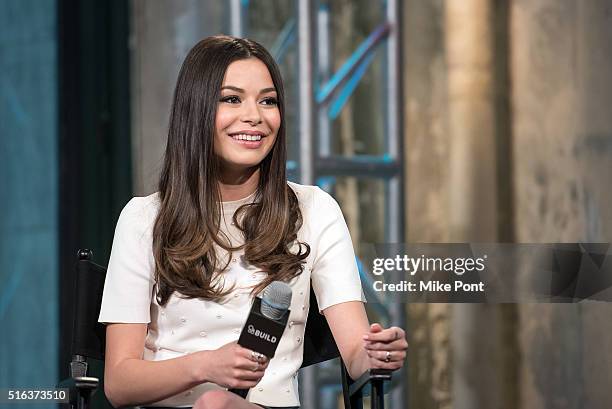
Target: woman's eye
[[232, 99], [270, 101]]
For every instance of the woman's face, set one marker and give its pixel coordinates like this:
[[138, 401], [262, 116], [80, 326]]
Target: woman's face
[[248, 117]]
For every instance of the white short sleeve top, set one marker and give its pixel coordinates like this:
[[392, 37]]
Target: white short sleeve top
[[183, 326]]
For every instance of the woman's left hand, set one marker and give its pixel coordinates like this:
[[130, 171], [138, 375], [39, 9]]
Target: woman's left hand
[[386, 348]]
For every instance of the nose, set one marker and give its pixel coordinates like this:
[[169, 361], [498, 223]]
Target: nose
[[251, 112]]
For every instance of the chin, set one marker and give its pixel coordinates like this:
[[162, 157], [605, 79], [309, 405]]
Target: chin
[[246, 161], [242, 165]]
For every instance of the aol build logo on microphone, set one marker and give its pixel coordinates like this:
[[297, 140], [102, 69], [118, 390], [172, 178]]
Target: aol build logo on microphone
[[260, 334]]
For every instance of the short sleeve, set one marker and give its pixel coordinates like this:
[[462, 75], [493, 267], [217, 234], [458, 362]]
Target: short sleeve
[[130, 274], [335, 276]]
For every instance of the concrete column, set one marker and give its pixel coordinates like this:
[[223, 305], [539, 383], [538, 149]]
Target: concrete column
[[426, 181], [473, 192], [163, 31], [471, 113]]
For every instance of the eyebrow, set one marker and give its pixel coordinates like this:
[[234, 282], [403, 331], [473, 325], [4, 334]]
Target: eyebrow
[[262, 91]]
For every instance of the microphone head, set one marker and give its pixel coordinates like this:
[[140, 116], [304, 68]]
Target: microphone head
[[275, 300]]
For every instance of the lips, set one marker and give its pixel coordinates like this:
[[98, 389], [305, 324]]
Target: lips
[[248, 133]]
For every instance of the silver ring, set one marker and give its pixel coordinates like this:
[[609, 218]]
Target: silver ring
[[388, 357], [254, 356]]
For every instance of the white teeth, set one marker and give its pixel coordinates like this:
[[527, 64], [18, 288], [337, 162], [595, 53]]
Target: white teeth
[[245, 137]]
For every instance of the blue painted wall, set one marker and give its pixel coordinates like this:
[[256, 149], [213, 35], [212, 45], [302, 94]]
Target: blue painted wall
[[28, 194]]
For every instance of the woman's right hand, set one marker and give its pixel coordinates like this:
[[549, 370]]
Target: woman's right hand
[[233, 366]]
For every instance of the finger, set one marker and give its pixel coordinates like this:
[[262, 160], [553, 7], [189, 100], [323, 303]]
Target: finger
[[251, 372], [382, 364], [374, 328], [393, 356], [242, 384], [253, 366], [254, 356], [261, 358], [245, 352], [377, 363], [246, 375], [248, 364], [397, 345], [240, 378], [251, 355], [387, 335], [393, 366], [262, 367]]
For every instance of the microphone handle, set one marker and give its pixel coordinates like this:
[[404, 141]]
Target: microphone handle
[[240, 392]]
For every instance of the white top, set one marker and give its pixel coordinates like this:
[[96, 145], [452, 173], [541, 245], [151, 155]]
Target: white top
[[188, 325]]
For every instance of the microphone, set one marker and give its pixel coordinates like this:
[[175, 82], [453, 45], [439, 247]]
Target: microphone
[[266, 322]]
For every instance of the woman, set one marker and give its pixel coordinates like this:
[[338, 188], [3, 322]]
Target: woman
[[187, 260]]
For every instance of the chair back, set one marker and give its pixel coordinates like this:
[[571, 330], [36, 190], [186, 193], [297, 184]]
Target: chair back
[[88, 335], [319, 344]]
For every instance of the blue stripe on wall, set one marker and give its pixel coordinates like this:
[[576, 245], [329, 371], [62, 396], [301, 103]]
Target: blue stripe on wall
[[28, 194]]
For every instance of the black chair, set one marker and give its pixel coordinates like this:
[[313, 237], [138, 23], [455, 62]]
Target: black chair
[[89, 336]]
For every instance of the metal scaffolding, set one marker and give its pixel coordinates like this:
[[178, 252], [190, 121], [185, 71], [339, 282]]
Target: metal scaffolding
[[318, 107]]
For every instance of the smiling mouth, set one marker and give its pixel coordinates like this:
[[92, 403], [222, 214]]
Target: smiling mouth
[[245, 137]]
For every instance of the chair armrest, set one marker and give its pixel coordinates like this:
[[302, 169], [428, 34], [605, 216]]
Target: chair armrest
[[80, 388], [352, 391], [367, 377], [81, 383]]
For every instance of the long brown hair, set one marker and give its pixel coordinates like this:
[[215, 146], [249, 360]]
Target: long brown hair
[[187, 225]]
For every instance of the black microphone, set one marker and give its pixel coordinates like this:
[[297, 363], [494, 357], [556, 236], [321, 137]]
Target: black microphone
[[266, 323]]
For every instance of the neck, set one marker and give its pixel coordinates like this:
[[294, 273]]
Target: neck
[[238, 185]]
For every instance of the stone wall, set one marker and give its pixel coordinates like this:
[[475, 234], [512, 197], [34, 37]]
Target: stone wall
[[550, 95], [562, 94]]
